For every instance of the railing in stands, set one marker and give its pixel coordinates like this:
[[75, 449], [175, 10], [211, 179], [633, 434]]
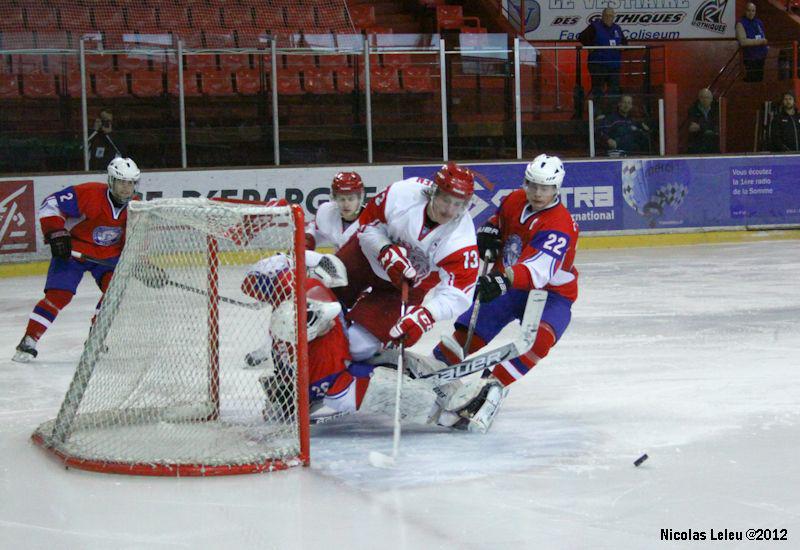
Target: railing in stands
[[305, 102]]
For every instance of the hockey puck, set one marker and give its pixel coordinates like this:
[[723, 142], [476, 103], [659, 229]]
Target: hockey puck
[[638, 461]]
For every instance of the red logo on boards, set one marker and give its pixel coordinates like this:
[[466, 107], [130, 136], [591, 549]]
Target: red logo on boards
[[17, 217]]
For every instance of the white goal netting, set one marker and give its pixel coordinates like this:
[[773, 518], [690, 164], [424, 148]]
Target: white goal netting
[[164, 386]]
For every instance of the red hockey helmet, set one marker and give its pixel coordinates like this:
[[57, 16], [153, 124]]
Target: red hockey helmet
[[455, 181], [347, 182]]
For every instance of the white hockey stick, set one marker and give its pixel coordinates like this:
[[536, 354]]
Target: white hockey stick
[[377, 459], [529, 326]]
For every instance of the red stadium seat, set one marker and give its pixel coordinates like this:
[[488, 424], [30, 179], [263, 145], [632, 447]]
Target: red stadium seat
[[41, 85], [72, 83], [147, 83], [217, 83], [42, 17], [300, 17], [132, 62], [452, 17], [336, 60], [234, 61], [79, 19], [110, 84], [6, 64], [57, 39], [238, 17], [248, 81], [190, 87], [99, 62], [200, 62], [319, 81], [172, 17], [298, 62], [202, 16], [289, 83], [384, 80], [331, 17], [419, 79], [12, 19], [363, 16], [9, 86], [28, 63], [345, 80], [397, 60]]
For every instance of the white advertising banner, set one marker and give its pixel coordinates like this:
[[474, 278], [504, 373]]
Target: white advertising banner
[[639, 19], [21, 236]]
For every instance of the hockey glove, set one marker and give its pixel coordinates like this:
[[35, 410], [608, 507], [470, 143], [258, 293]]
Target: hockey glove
[[60, 244], [488, 242], [492, 286], [410, 328], [394, 260]]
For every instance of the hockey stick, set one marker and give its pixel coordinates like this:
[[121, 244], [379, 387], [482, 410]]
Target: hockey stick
[[105, 263], [529, 326], [473, 320], [380, 460]]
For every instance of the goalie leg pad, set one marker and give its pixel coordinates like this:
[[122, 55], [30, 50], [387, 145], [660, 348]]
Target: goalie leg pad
[[478, 415], [417, 404]]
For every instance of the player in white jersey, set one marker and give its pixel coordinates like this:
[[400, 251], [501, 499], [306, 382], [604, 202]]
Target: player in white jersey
[[416, 232], [337, 220]]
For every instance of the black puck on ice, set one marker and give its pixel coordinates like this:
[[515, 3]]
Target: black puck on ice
[[638, 461]]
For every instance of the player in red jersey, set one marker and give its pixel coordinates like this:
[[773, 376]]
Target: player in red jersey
[[532, 239], [85, 219], [337, 384]]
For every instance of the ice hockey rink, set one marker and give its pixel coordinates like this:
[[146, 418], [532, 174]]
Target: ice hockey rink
[[690, 354]]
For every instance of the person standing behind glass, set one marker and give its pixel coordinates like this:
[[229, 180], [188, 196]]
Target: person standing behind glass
[[753, 40], [604, 64], [102, 149]]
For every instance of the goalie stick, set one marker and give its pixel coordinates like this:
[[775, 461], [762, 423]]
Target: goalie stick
[[98, 261], [528, 328]]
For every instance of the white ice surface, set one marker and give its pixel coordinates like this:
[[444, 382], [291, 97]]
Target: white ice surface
[[690, 354]]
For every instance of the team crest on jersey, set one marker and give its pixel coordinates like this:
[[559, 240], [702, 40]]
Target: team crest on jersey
[[512, 250], [419, 260], [106, 236]]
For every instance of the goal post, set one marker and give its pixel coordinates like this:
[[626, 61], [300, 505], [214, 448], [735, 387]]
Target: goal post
[[162, 386]]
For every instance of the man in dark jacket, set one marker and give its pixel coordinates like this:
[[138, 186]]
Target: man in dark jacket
[[102, 149], [604, 64], [623, 135], [704, 124], [784, 130]]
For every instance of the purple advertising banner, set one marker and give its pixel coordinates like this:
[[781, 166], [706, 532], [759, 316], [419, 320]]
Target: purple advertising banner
[[637, 194]]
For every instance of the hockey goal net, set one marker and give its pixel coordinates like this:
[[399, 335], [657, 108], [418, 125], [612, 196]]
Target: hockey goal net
[[161, 387]]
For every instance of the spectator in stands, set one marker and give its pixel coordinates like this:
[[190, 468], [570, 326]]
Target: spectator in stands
[[784, 129], [102, 149], [604, 64], [704, 124], [753, 40], [623, 135]]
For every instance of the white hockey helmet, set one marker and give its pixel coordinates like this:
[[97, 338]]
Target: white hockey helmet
[[545, 170], [122, 169], [321, 312]]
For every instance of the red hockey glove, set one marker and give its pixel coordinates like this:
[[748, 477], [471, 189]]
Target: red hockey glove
[[410, 328], [394, 260]]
